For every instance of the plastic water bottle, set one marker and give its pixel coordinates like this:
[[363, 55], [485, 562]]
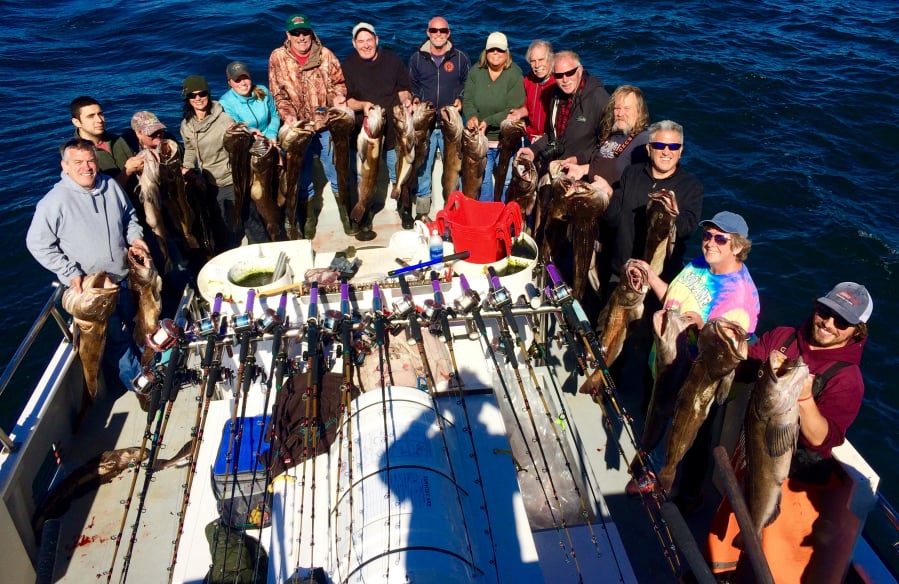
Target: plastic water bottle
[[435, 245]]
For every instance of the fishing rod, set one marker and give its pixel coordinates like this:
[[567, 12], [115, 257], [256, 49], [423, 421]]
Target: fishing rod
[[380, 339], [560, 294], [437, 311], [469, 303], [344, 326], [211, 363], [168, 335]]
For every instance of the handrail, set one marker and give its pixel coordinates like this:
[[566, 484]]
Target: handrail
[[17, 358], [890, 515]]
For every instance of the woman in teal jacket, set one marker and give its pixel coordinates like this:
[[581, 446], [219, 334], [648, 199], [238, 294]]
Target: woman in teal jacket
[[250, 103]]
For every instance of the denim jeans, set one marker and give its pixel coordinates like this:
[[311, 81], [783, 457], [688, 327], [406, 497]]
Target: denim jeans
[[121, 357], [320, 147], [486, 193], [426, 170]]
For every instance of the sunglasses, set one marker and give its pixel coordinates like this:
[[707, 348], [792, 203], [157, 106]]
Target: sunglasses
[[719, 239], [440, 30], [662, 145], [495, 50], [300, 32], [198, 94], [825, 313], [564, 74]]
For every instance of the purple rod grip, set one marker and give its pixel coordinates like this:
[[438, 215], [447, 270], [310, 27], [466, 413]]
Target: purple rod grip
[[217, 304], [251, 298], [553, 274], [376, 298], [282, 305]]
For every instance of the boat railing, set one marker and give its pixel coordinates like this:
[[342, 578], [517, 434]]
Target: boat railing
[[50, 309]]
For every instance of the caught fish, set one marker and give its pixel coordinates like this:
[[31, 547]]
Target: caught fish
[[151, 199], [145, 282], [474, 161], [294, 138], [553, 228], [771, 432], [586, 204], [423, 115], [511, 133], [90, 310], [341, 123], [172, 179], [368, 146], [671, 364], [722, 345], [661, 233], [237, 141], [451, 124], [523, 186], [264, 159], [405, 147], [624, 308]]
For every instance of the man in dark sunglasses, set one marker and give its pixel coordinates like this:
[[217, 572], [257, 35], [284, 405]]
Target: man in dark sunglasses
[[574, 124], [831, 342], [437, 72]]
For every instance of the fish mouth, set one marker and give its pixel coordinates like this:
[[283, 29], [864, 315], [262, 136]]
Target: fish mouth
[[637, 276]]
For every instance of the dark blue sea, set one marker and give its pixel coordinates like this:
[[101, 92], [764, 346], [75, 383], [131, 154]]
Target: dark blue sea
[[789, 108]]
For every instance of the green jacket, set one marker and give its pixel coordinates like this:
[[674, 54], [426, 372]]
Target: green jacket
[[111, 163], [490, 101]]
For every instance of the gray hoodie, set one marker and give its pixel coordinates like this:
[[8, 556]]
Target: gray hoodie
[[75, 231]]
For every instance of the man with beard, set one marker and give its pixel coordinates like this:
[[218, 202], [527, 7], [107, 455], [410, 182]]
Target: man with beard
[[626, 217], [831, 343], [437, 72], [623, 139], [305, 76], [84, 225], [114, 157], [376, 76], [575, 115]]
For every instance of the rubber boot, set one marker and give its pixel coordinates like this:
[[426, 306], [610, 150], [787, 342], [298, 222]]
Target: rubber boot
[[311, 220]]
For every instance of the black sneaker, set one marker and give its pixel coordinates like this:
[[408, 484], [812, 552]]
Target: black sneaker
[[406, 217], [366, 235]]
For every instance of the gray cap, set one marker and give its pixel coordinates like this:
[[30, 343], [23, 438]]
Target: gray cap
[[849, 300], [363, 26], [729, 223]]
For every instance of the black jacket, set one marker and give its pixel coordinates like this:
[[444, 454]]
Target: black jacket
[[583, 131]]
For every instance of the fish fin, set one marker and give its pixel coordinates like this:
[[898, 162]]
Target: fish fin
[[738, 460], [780, 438], [775, 512], [724, 385]]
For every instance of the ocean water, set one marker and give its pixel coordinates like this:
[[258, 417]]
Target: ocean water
[[789, 111]]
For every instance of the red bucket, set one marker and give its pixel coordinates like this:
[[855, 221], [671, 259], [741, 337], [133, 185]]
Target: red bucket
[[483, 229]]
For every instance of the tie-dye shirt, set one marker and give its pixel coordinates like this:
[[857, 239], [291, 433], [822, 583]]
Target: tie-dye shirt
[[732, 296]]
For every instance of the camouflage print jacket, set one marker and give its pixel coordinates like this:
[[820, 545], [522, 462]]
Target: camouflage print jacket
[[301, 89]]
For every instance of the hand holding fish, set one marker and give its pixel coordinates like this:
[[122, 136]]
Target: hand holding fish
[[75, 284], [526, 153], [659, 286], [140, 245], [474, 123]]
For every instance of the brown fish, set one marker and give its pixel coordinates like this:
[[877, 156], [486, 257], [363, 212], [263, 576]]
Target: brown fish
[[523, 187], [423, 115], [624, 308], [511, 132], [671, 364], [722, 345], [341, 123], [554, 209], [451, 124], [264, 159], [237, 142], [772, 430], [294, 138], [145, 282], [661, 213], [405, 147], [90, 310], [368, 146], [151, 199], [474, 161], [586, 204], [176, 203]]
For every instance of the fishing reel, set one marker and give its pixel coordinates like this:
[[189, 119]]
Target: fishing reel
[[331, 320], [243, 323], [148, 379], [164, 336], [269, 321], [559, 292], [206, 327], [499, 298], [468, 302]]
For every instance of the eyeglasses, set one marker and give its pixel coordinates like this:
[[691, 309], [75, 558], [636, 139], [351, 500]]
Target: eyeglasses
[[495, 50], [719, 239], [566, 73], [662, 145], [825, 313], [438, 30], [198, 94], [157, 134], [300, 32]]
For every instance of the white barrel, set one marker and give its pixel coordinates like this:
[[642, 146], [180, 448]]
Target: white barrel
[[405, 504]]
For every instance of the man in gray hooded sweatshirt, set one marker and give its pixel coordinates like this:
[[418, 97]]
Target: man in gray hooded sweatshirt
[[85, 224]]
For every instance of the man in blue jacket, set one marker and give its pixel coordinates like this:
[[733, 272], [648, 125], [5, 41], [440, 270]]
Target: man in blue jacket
[[437, 71]]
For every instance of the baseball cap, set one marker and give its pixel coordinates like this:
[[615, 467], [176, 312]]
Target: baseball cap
[[363, 26], [194, 83], [849, 300], [297, 21], [497, 40], [146, 123], [729, 223], [236, 69]]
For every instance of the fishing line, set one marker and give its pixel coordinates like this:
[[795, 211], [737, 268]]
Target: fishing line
[[380, 334]]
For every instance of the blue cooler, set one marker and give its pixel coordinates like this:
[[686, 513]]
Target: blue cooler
[[241, 489]]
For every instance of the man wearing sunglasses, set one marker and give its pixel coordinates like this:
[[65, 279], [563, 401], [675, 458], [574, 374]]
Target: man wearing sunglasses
[[437, 72], [575, 115], [625, 225], [831, 342], [304, 76]]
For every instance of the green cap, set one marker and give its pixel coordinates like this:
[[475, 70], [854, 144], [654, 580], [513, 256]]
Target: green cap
[[297, 21], [194, 83]]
